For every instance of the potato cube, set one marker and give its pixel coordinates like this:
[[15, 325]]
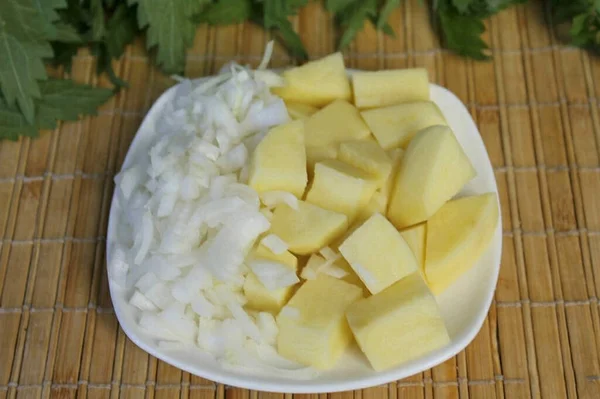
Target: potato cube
[[416, 237], [368, 156], [317, 82], [378, 254], [433, 170], [327, 128], [340, 188], [299, 110], [457, 235], [396, 125], [312, 327], [399, 324], [308, 228], [279, 161], [382, 88]]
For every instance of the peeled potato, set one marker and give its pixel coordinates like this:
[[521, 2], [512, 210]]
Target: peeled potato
[[382, 88]]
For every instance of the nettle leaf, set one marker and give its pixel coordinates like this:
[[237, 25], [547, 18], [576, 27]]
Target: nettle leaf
[[13, 124], [276, 15], [462, 34], [384, 14], [170, 29], [98, 19], [353, 20], [462, 5], [335, 6], [121, 30], [23, 46], [226, 12]]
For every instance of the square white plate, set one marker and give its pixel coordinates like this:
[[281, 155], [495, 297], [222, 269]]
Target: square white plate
[[464, 305]]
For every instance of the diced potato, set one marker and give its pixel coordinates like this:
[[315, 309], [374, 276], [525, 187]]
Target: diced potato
[[457, 235], [396, 125], [258, 296], [434, 169], [399, 324], [317, 82], [396, 156], [307, 229], [299, 110], [368, 156], [312, 327], [377, 204], [327, 128], [340, 187], [279, 161], [382, 88], [416, 237], [378, 254]]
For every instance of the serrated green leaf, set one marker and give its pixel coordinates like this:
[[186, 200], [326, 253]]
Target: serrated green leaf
[[226, 12], [66, 33], [353, 20], [275, 16], [63, 54], [384, 14], [462, 5], [66, 100], [23, 46], [292, 40], [13, 124], [336, 6], [462, 34], [170, 29], [121, 30], [98, 19]]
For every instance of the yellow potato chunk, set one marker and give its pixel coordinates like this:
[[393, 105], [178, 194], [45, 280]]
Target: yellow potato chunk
[[299, 110], [368, 156], [377, 204], [308, 228], [399, 324], [259, 297], [383, 88], [312, 327], [415, 237], [326, 129], [396, 125], [378, 254], [396, 156], [279, 161], [317, 82], [340, 187], [457, 235], [433, 170]]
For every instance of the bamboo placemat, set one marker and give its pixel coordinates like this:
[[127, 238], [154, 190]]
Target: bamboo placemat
[[537, 111]]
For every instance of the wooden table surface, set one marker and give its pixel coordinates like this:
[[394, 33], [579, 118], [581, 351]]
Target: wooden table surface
[[536, 106]]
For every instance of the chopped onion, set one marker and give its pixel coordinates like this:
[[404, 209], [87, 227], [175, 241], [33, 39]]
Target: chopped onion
[[273, 198], [275, 244], [273, 275]]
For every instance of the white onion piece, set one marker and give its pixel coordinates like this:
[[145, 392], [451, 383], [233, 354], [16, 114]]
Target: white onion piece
[[273, 198], [275, 244], [273, 275], [141, 302]]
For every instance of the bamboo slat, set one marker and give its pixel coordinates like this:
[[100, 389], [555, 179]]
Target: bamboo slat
[[537, 109]]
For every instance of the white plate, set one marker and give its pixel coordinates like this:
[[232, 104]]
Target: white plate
[[464, 305]]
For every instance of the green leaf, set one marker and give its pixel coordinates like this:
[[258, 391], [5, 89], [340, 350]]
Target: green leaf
[[462, 5], [292, 40], [462, 34], [66, 33], [384, 15], [60, 100], [170, 29], [121, 30], [98, 19], [226, 12], [23, 45], [353, 20], [335, 6], [275, 16], [66, 100]]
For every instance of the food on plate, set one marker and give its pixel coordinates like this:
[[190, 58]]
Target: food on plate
[[308, 228], [457, 235], [416, 238], [434, 168], [340, 187], [317, 82], [260, 297], [378, 254], [326, 129], [300, 110], [398, 324], [312, 326], [369, 157], [373, 89], [279, 161], [252, 174], [395, 126]]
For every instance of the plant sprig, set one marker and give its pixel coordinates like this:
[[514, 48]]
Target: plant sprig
[[36, 33]]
